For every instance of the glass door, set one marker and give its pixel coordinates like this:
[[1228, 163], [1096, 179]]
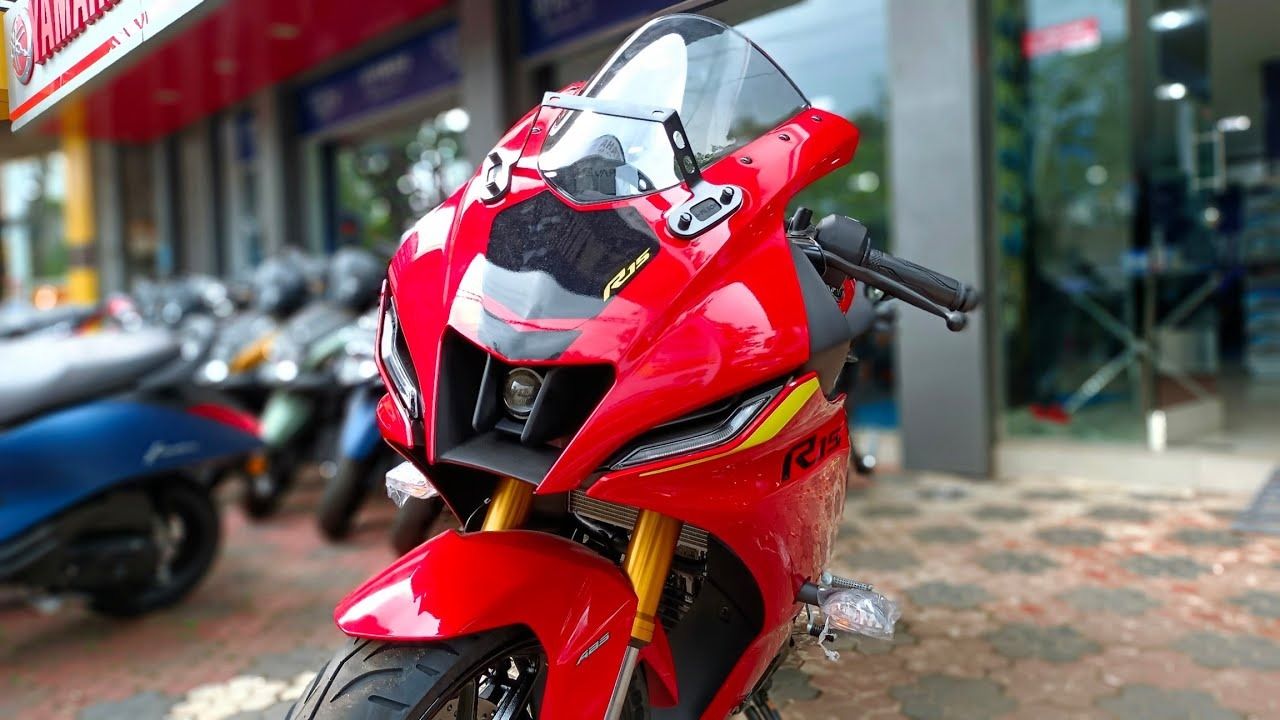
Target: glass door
[[1211, 290]]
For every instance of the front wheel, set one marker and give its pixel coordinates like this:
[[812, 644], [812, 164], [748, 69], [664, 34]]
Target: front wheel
[[343, 496], [264, 492], [496, 674]]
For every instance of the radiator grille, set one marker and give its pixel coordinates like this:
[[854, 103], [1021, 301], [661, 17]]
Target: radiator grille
[[691, 538]]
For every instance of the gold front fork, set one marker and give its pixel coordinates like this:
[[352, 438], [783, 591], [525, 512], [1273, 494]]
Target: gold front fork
[[510, 505], [648, 561], [653, 543]]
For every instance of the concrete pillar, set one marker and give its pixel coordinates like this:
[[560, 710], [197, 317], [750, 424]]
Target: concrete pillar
[[278, 224], [110, 211], [78, 210], [483, 27], [945, 391], [196, 221]]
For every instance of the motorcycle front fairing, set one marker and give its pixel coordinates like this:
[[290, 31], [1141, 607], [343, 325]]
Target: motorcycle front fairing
[[526, 268]]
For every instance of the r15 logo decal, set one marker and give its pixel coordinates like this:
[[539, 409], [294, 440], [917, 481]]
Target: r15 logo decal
[[811, 451]]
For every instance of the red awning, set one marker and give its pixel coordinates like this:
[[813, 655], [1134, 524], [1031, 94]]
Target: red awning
[[236, 50]]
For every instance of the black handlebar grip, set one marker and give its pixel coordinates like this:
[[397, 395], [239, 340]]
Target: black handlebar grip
[[946, 291]]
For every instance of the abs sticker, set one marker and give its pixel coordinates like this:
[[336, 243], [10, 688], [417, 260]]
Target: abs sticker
[[625, 275], [811, 451]]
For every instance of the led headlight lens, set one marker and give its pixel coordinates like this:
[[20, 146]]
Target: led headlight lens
[[519, 391], [737, 420], [394, 358]]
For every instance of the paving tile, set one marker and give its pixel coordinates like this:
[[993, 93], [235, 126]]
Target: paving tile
[[1175, 566], [1120, 513], [1054, 494], [1143, 702], [1001, 513], [1215, 650], [890, 510], [880, 558], [1033, 682], [1120, 601], [1025, 563], [1066, 535], [1207, 536], [941, 697], [945, 594], [948, 534], [1260, 603], [1057, 644]]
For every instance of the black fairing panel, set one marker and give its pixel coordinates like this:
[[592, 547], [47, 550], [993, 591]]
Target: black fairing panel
[[829, 334], [548, 260], [710, 639]]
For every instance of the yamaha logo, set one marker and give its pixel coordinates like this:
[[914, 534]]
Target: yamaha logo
[[22, 46]]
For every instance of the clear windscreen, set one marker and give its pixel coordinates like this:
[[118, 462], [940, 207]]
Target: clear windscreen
[[725, 89]]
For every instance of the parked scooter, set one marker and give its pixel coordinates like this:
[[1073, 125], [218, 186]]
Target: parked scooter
[[101, 444], [305, 407], [616, 361], [363, 459], [279, 288]]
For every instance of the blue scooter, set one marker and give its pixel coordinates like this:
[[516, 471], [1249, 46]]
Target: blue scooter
[[101, 445]]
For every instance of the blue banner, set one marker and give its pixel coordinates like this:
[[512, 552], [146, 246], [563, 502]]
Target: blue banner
[[548, 24], [418, 66]]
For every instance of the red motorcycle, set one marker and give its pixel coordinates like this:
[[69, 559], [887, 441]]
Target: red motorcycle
[[616, 361]]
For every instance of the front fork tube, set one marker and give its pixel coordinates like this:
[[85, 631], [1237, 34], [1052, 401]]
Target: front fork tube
[[647, 563]]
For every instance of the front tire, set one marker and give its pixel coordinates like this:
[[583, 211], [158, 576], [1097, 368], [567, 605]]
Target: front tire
[[433, 681], [264, 493], [343, 496]]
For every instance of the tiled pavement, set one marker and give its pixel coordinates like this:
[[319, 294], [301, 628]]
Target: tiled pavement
[[1037, 599]]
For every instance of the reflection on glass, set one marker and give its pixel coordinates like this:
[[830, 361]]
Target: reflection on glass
[[1063, 203], [385, 182]]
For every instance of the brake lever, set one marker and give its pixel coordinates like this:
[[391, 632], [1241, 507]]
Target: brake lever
[[956, 320]]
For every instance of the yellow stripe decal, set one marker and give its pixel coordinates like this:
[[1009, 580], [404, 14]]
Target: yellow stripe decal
[[773, 424]]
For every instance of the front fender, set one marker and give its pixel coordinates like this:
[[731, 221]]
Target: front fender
[[578, 605]]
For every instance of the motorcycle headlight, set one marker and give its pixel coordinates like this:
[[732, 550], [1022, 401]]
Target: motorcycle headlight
[[395, 363], [700, 431]]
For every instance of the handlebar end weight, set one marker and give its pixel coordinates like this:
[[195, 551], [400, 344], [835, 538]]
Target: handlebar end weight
[[956, 321]]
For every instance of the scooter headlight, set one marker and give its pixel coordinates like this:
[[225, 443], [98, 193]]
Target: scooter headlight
[[214, 371], [285, 371], [393, 359]]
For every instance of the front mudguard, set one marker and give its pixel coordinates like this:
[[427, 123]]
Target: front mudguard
[[578, 605]]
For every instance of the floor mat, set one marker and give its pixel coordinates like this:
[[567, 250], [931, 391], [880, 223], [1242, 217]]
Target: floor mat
[[1263, 514]]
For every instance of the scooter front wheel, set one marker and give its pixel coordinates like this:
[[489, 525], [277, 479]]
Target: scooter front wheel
[[343, 496], [264, 492], [493, 674]]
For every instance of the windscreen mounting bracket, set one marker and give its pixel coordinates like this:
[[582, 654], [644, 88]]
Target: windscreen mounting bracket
[[709, 204]]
